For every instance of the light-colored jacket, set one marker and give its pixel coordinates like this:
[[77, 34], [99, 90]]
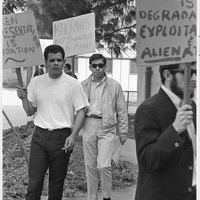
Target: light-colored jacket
[[114, 110]]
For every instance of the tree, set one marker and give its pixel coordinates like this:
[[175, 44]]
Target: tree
[[115, 24], [10, 6], [115, 19]]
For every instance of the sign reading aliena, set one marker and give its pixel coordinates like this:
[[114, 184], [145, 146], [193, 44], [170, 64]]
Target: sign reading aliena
[[166, 31]]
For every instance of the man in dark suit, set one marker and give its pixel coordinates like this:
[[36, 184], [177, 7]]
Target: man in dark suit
[[165, 134]]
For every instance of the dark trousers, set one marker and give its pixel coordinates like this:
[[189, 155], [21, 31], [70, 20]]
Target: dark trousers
[[46, 154], [194, 195]]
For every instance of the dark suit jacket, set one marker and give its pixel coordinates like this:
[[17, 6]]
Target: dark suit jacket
[[165, 158]]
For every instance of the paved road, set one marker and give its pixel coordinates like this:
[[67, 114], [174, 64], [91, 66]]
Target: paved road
[[123, 194]]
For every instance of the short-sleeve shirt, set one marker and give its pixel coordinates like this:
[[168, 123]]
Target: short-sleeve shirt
[[56, 100]]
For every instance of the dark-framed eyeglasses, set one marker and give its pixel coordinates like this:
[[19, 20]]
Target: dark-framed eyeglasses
[[182, 71], [100, 65]]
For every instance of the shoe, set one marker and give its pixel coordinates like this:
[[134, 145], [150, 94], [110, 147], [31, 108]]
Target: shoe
[[107, 198]]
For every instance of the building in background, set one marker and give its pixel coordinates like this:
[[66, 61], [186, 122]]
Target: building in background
[[122, 69]]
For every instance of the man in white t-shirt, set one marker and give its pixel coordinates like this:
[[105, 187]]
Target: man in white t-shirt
[[53, 98]]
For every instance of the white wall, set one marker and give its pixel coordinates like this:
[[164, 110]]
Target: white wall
[[83, 69], [124, 74], [116, 70]]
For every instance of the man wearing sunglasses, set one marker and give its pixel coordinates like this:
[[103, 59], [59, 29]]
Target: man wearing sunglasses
[[165, 134], [106, 114]]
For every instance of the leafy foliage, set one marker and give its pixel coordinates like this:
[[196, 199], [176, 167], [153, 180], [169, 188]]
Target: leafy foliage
[[115, 19], [10, 6], [115, 25]]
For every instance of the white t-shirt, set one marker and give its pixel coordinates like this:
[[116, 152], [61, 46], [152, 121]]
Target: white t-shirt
[[56, 100]]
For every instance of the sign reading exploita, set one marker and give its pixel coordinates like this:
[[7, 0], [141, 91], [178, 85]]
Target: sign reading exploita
[[166, 31], [76, 35], [21, 45]]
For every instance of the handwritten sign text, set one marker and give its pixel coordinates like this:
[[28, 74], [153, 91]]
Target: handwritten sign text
[[76, 35], [166, 32], [21, 45]]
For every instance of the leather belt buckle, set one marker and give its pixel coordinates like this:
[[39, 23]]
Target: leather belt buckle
[[95, 117]]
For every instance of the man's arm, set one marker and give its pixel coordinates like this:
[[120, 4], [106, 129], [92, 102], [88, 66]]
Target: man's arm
[[122, 116], [27, 105], [70, 141]]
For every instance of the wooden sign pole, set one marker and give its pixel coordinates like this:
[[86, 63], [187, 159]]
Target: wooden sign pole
[[29, 71], [20, 81], [187, 76], [19, 77]]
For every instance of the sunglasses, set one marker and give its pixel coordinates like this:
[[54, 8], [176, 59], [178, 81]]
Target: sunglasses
[[100, 65], [193, 71]]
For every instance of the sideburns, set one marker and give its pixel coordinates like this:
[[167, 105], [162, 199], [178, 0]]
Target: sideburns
[[175, 89]]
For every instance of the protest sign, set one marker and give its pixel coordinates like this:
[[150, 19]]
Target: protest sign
[[76, 35], [166, 31], [21, 45]]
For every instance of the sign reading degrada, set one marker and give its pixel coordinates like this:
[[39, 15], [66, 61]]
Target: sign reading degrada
[[166, 31], [21, 45]]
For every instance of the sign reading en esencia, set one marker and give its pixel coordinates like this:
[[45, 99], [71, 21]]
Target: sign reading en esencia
[[166, 31], [76, 35], [21, 45]]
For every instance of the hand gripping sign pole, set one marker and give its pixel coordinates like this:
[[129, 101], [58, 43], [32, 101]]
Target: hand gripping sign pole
[[24, 49], [19, 76], [21, 45]]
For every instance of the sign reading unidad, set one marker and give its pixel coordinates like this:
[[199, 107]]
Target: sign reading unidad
[[21, 45], [166, 31], [76, 35]]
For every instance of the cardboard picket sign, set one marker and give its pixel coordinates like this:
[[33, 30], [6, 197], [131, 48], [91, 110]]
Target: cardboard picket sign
[[21, 45], [166, 32], [76, 35]]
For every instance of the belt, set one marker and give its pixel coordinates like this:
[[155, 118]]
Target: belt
[[94, 117], [50, 129]]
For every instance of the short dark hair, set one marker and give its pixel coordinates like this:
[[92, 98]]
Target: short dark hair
[[167, 67], [54, 48], [97, 56], [67, 65]]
